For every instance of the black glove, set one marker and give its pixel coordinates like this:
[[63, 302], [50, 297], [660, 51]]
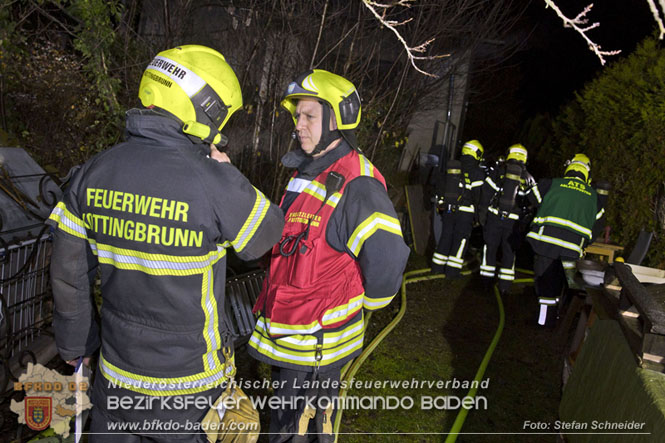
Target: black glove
[[529, 181]]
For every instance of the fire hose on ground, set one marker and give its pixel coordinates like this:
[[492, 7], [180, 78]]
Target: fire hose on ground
[[350, 369]]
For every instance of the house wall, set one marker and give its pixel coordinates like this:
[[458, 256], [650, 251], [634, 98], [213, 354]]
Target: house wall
[[445, 108]]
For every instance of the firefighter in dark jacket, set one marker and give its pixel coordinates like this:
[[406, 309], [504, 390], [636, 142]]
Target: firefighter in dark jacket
[[157, 214], [457, 197], [503, 204], [341, 253], [569, 209]]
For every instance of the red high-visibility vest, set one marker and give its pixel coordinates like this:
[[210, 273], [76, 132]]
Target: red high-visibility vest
[[317, 287]]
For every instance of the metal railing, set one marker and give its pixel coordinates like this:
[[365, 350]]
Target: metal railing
[[241, 294], [27, 307]]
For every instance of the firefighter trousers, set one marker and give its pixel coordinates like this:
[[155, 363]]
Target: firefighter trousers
[[307, 405], [500, 235], [550, 283], [453, 243]]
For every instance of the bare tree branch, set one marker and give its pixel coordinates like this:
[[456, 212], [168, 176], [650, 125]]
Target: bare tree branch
[[341, 40], [579, 24], [392, 24], [385, 118], [350, 41], [318, 38], [62, 25], [656, 15]]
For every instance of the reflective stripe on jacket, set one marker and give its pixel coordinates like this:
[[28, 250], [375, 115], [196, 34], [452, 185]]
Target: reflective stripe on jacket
[[570, 204], [317, 287], [568, 210], [158, 215]]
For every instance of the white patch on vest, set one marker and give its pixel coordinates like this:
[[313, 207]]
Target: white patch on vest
[[297, 185]]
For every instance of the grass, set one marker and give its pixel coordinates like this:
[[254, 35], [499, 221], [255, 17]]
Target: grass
[[443, 337]]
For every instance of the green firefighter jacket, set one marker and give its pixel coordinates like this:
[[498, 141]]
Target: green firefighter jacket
[[157, 215], [568, 210]]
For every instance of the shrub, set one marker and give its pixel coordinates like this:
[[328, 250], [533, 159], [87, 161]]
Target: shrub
[[618, 120]]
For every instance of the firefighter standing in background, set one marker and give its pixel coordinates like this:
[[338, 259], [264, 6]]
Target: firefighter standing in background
[[503, 199], [341, 252], [458, 194], [156, 214], [564, 224]]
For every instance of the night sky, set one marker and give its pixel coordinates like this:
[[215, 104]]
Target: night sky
[[558, 60], [553, 63]]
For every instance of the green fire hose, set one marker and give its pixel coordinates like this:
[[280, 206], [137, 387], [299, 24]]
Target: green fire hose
[[350, 369], [461, 415]]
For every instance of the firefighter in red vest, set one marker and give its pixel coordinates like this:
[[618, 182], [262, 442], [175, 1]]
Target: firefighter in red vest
[[341, 253]]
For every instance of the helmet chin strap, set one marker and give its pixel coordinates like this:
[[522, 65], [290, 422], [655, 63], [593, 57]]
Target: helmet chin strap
[[327, 136]]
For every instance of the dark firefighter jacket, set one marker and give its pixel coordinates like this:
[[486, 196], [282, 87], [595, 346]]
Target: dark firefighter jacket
[[495, 187], [471, 180], [362, 235], [157, 215]]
